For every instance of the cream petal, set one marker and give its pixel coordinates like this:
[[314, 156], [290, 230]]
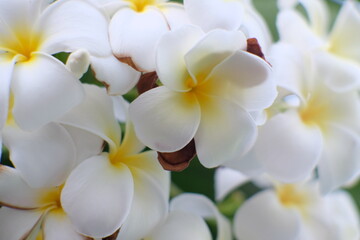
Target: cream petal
[[288, 149], [340, 157], [78, 62], [119, 77], [39, 87], [214, 14], [136, 35], [44, 157], [170, 62], [6, 72], [264, 212], [15, 192], [165, 120], [211, 50], [131, 144], [234, 136], [83, 31], [97, 196], [16, 224], [318, 13], [57, 226], [95, 115], [175, 14]]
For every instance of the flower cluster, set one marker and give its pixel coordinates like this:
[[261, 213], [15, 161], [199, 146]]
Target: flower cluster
[[207, 80]]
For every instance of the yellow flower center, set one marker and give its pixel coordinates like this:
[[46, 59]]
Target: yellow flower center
[[10, 118], [52, 197], [292, 196], [315, 113], [140, 5]]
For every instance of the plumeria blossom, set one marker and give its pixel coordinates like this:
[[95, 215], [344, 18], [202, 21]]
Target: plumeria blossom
[[336, 51], [136, 27], [37, 82], [186, 220], [229, 15], [310, 126], [119, 188], [210, 84], [299, 212]]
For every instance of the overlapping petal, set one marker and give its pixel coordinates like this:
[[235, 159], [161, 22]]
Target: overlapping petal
[[175, 14], [97, 196], [6, 72], [136, 35], [165, 120], [39, 87], [44, 157], [226, 132]]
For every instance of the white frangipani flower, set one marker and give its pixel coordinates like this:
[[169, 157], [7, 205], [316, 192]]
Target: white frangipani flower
[[297, 212], [116, 189], [210, 84], [186, 220], [336, 51], [136, 27], [321, 131]]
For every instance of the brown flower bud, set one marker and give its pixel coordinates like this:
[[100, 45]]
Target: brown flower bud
[[146, 82]]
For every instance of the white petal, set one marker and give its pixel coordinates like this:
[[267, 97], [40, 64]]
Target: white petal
[[175, 14], [39, 87], [318, 13], [344, 37], [6, 71], [288, 149], [226, 180], [264, 212], [170, 61], [149, 206], [339, 73], [44, 157], [66, 28], [340, 158], [121, 108], [131, 144], [57, 226], [165, 120], [119, 77], [136, 35], [16, 224], [97, 196], [86, 144], [15, 192], [202, 206], [214, 14], [78, 62], [182, 225], [233, 137], [95, 114], [211, 50]]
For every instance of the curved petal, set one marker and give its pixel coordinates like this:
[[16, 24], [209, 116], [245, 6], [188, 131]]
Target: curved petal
[[78, 62], [15, 192], [288, 149], [6, 72], [175, 14], [136, 35], [57, 226], [165, 120], [39, 87], [121, 108], [226, 180], [318, 14], [66, 28], [344, 37], [119, 77], [16, 224], [95, 114], [264, 211], [182, 225], [225, 132], [211, 50], [214, 14], [149, 206], [131, 144], [170, 61], [202, 206], [97, 196], [44, 157], [339, 162]]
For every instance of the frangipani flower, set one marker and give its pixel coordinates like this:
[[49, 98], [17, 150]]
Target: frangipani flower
[[297, 212], [210, 84], [321, 129], [119, 188], [337, 51], [30, 32], [186, 220], [136, 27]]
